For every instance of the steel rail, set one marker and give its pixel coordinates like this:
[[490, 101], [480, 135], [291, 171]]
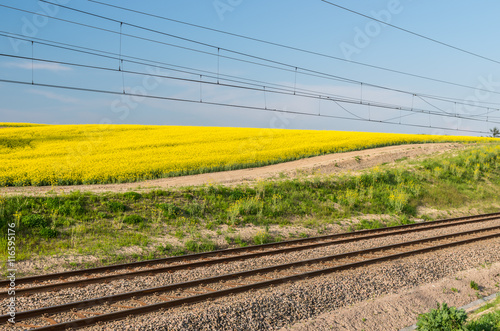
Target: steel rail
[[150, 263], [196, 298], [204, 263]]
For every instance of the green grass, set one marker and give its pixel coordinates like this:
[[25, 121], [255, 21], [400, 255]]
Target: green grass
[[489, 305], [488, 322], [449, 318], [103, 224]]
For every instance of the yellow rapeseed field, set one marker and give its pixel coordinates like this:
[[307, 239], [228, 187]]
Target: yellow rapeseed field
[[89, 154]]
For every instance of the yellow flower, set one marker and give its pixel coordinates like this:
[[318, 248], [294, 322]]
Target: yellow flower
[[91, 154]]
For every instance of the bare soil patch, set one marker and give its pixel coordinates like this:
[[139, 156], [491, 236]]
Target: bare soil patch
[[397, 310], [325, 164]]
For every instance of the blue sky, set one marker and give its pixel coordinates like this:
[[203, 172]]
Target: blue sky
[[312, 25]]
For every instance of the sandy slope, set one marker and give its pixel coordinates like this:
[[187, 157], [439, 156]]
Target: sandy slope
[[331, 163]]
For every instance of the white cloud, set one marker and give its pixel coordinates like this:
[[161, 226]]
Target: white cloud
[[38, 66], [55, 96]]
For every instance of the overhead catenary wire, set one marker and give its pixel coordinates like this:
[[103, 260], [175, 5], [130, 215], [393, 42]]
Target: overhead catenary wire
[[227, 105], [161, 65], [289, 93], [196, 72], [290, 47], [32, 62], [156, 64], [291, 67], [322, 75], [413, 33], [284, 66]]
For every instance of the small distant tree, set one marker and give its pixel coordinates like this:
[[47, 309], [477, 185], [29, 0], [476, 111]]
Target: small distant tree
[[495, 133]]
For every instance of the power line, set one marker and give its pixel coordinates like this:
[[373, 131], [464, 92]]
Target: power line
[[289, 47], [259, 89], [304, 71], [320, 97], [413, 33], [293, 69], [206, 73], [289, 92], [227, 105], [195, 72]]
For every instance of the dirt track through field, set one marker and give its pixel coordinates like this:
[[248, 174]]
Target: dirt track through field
[[326, 164]]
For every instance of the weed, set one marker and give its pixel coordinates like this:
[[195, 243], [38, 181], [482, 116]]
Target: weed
[[167, 248], [366, 224], [133, 219], [179, 234], [473, 285], [170, 210], [442, 318], [73, 208], [197, 247], [262, 237], [210, 226], [102, 215], [486, 265], [34, 221], [48, 233], [116, 206], [239, 241], [132, 196], [488, 322]]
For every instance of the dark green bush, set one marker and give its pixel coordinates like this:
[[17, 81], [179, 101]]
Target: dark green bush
[[170, 210], [133, 219], [34, 221], [48, 233], [116, 206], [73, 208], [443, 318], [132, 196], [194, 209]]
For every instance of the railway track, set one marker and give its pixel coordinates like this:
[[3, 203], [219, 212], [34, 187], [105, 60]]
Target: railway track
[[87, 312], [50, 282]]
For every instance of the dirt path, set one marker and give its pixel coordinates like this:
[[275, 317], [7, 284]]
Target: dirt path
[[331, 163]]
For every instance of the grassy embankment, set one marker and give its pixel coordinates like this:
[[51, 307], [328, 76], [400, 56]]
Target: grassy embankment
[[486, 318], [179, 221]]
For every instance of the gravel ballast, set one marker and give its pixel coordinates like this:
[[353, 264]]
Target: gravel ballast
[[281, 306], [39, 300]]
